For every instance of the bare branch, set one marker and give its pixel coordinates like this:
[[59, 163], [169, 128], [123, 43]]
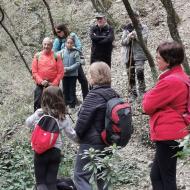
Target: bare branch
[[172, 21], [13, 40], [50, 16], [100, 7], [2, 15]]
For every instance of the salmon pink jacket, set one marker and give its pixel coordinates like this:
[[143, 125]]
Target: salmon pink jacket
[[165, 104], [46, 67]]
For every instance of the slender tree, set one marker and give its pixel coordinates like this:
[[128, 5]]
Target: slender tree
[[50, 16], [103, 6], [140, 37], [12, 39], [172, 22]]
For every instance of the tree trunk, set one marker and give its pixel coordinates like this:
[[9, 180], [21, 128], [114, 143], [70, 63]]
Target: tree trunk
[[50, 17], [13, 40], [140, 37], [172, 25], [99, 7]]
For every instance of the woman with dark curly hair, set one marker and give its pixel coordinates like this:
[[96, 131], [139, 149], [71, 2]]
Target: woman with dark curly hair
[[59, 43]]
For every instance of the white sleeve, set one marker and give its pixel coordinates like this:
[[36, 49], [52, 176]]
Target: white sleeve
[[125, 39], [33, 119], [68, 130]]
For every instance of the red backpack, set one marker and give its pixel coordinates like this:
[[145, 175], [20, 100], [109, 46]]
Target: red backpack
[[118, 121], [45, 134]]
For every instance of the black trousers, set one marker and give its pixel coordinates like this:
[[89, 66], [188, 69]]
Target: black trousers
[[69, 89], [163, 171], [37, 97], [98, 56], [83, 82], [46, 167]]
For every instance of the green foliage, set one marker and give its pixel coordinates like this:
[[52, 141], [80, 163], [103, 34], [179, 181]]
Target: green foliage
[[185, 153], [145, 138], [67, 161], [110, 166], [16, 165]]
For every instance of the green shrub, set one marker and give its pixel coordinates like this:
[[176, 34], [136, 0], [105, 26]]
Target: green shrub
[[110, 166], [67, 161], [185, 153], [16, 165]]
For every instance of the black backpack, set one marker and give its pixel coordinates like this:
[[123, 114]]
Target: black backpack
[[118, 121], [64, 183]]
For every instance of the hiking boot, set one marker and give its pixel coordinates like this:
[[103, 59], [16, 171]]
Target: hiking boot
[[41, 187]]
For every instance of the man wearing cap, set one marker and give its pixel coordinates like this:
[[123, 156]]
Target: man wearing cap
[[134, 57], [102, 36]]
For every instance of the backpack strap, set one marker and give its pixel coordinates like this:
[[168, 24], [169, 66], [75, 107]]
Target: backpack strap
[[55, 56], [48, 116], [106, 95], [38, 55]]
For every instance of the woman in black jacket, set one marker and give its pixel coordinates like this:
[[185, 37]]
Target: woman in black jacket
[[90, 121]]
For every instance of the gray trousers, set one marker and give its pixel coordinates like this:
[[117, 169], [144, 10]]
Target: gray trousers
[[136, 69], [81, 177]]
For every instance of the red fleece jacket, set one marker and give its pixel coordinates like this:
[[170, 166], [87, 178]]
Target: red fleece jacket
[[165, 104], [47, 68]]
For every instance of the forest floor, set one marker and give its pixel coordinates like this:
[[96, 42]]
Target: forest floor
[[16, 91]]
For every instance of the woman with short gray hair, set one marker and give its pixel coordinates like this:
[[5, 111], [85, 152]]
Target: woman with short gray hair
[[90, 121]]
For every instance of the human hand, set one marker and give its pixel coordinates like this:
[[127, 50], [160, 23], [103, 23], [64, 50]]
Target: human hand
[[45, 83], [65, 70], [134, 34], [131, 35]]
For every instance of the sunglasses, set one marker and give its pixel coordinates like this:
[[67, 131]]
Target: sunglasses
[[59, 31], [99, 18]]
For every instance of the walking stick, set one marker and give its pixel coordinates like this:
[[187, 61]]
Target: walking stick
[[130, 62], [71, 117]]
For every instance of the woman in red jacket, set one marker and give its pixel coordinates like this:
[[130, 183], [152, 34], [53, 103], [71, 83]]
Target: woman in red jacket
[[165, 104]]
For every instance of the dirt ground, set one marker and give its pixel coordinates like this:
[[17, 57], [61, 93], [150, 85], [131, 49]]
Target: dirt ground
[[16, 85]]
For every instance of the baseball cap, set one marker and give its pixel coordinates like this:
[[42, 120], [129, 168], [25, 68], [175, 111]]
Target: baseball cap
[[100, 15]]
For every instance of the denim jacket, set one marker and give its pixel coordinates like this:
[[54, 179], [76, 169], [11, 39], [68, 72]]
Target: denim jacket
[[71, 61], [59, 43]]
